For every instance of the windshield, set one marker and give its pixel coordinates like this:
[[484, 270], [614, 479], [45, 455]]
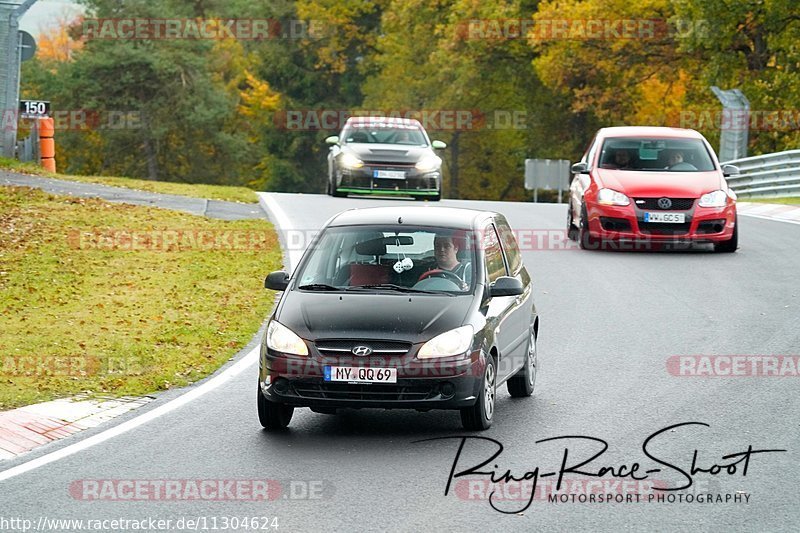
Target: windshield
[[665, 155], [384, 134], [397, 259]]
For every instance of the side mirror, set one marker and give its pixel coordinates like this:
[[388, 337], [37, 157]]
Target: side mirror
[[439, 145], [730, 170], [580, 168], [277, 281], [333, 139], [506, 286]]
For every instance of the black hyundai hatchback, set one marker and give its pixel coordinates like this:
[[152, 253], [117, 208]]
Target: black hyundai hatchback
[[401, 307]]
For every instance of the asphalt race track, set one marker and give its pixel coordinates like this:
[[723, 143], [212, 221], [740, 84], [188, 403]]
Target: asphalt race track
[[610, 322]]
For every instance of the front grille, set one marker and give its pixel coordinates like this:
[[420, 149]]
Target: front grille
[[408, 184], [664, 228], [377, 392], [335, 347], [678, 204]]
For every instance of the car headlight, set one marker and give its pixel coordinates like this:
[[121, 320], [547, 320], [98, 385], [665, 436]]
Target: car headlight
[[454, 342], [612, 197], [713, 199], [429, 163], [282, 339], [351, 161]]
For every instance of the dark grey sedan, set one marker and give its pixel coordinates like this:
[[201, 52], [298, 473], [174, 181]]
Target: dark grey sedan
[[416, 308]]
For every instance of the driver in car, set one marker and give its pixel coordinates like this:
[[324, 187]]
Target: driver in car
[[445, 252], [676, 162]]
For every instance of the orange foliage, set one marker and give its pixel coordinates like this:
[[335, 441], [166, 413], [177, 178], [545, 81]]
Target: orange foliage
[[56, 44]]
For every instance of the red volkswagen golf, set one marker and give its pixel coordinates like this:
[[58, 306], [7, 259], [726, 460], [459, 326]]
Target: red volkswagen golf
[[653, 185]]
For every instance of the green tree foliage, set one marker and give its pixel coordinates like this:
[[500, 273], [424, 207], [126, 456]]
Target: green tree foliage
[[665, 78], [751, 45], [443, 56], [215, 110], [158, 109]]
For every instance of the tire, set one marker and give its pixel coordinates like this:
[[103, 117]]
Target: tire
[[332, 189], [585, 239], [272, 415], [479, 416], [572, 231], [523, 382], [729, 246]]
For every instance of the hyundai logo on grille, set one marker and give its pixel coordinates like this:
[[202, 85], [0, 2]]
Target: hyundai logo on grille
[[664, 203], [362, 351]]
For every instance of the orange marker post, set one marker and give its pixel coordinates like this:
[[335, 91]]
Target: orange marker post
[[47, 144]]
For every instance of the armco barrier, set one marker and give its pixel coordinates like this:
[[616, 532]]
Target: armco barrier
[[764, 176]]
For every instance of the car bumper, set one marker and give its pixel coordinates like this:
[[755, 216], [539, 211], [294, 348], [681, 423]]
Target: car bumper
[[626, 223], [363, 181], [299, 382]]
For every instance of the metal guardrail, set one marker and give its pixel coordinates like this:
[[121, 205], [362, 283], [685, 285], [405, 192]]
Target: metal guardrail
[[767, 176]]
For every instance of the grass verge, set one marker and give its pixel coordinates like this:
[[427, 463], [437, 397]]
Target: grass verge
[[82, 312], [196, 190]]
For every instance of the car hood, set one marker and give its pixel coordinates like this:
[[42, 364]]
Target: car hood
[[391, 153], [653, 184], [406, 317]]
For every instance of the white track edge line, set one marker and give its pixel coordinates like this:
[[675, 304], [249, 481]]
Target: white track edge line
[[180, 401], [268, 203], [133, 423], [764, 217]]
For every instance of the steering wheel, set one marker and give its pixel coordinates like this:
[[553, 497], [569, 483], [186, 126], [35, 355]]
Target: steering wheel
[[439, 273], [683, 165]]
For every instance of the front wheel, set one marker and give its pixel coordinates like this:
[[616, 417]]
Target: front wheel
[[731, 244], [336, 193], [332, 188], [572, 231], [272, 415], [522, 383], [585, 239], [479, 416]]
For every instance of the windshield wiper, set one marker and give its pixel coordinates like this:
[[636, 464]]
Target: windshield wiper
[[318, 287], [393, 287]]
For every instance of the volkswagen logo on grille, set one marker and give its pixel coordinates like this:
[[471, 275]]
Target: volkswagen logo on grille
[[664, 203], [362, 351]]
